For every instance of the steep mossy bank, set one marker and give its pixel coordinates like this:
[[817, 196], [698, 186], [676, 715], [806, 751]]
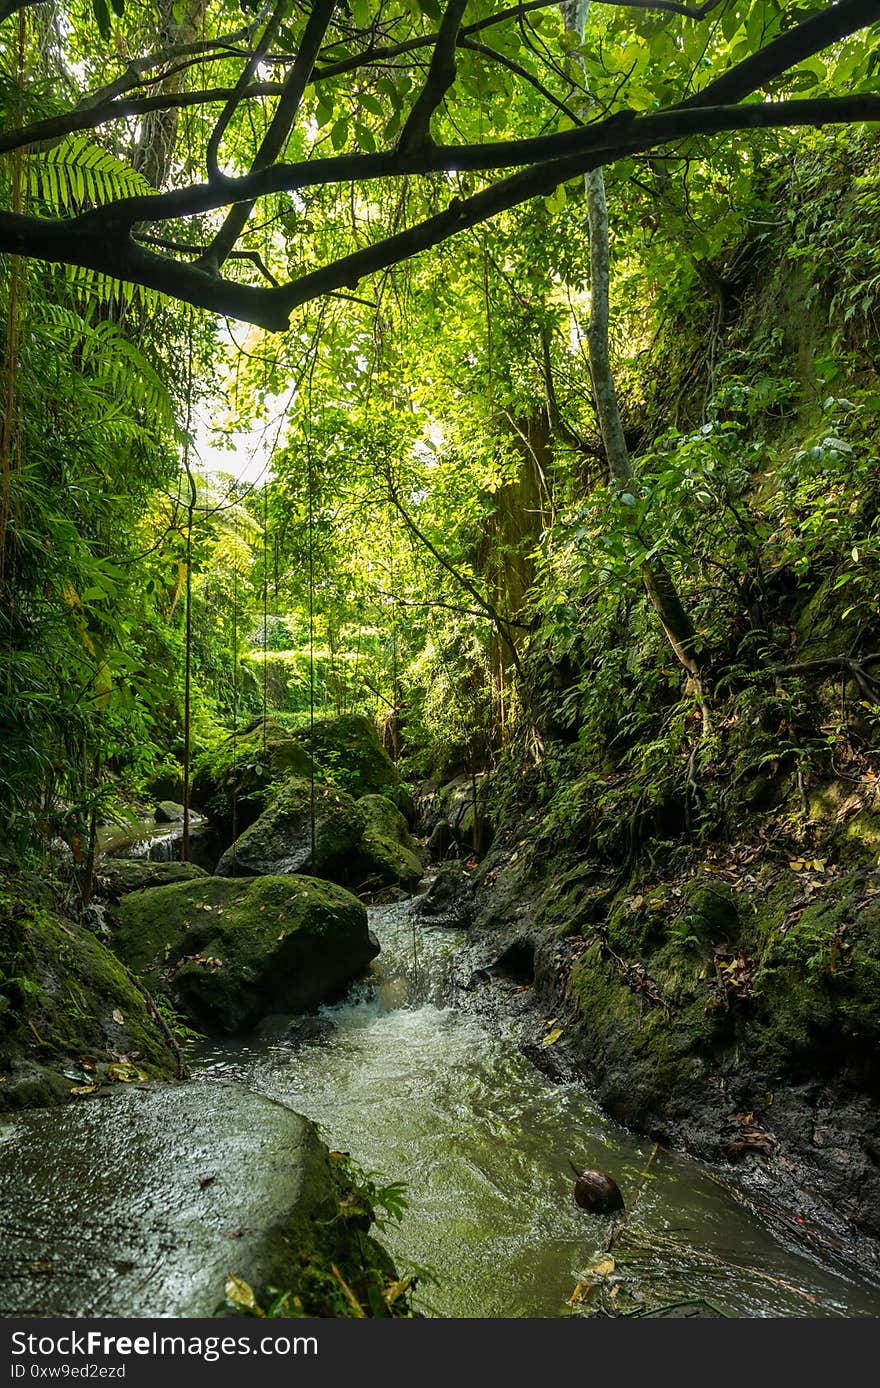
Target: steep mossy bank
[[728, 1004], [71, 1017]]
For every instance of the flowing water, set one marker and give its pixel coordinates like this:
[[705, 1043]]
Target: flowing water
[[445, 1102]]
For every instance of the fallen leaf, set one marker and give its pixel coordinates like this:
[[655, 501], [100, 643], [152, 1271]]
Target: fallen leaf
[[552, 1036], [125, 1074], [84, 1088], [239, 1292], [118, 1017]]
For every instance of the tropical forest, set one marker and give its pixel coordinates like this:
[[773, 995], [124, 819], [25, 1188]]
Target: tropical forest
[[440, 659]]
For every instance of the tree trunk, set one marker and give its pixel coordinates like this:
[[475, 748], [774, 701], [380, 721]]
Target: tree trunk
[[157, 136], [659, 586]]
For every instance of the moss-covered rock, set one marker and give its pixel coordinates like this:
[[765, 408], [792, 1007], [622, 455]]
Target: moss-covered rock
[[817, 977], [280, 841], [68, 1010], [350, 754], [230, 951], [116, 876], [233, 783], [387, 854]]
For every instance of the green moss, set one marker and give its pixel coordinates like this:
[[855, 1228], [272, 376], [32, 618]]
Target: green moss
[[280, 841], [62, 995], [229, 951], [233, 783], [387, 853], [647, 1056], [332, 1232], [120, 875], [350, 753], [818, 982]]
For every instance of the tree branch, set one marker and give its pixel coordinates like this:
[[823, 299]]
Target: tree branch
[[554, 158], [12, 7], [416, 133], [279, 128], [250, 67], [520, 71], [837, 21], [74, 241], [501, 624], [53, 128]]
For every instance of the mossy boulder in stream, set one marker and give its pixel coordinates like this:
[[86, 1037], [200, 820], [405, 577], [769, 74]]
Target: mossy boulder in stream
[[351, 755], [70, 1016], [387, 855], [116, 876], [233, 783], [280, 841], [230, 951]]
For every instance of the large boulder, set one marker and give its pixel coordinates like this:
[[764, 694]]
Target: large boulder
[[233, 783], [142, 1204], [388, 855], [350, 754], [450, 898], [230, 951], [70, 1015], [280, 841]]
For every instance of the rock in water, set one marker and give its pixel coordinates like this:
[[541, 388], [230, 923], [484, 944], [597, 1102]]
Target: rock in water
[[143, 1202], [598, 1193], [231, 951], [388, 855]]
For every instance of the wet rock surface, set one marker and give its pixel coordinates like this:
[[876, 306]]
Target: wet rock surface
[[140, 1203], [449, 900]]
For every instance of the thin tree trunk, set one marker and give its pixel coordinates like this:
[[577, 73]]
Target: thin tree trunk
[[659, 586]]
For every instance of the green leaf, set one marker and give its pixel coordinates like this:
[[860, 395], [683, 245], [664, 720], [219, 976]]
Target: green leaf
[[365, 137], [102, 15], [431, 8], [371, 104], [339, 133]]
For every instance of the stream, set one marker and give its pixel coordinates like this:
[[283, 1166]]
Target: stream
[[446, 1102]]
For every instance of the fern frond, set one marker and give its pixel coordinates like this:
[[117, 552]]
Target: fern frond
[[110, 364], [78, 173]]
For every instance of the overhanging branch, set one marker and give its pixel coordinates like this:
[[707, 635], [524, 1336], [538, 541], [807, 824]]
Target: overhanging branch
[[74, 241]]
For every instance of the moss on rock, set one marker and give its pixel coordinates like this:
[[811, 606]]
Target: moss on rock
[[230, 951], [280, 841], [233, 783], [387, 854], [120, 875], [65, 999], [350, 754]]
